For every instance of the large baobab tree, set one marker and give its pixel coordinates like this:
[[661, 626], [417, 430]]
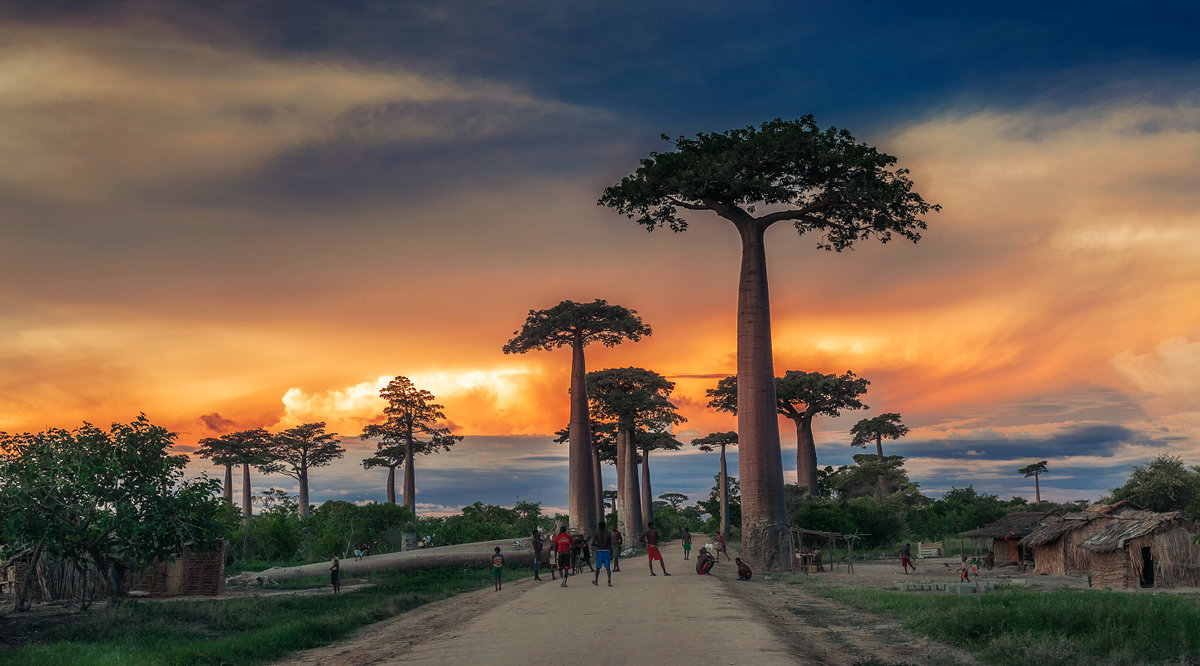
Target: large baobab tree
[[824, 183], [576, 325], [875, 430], [802, 396], [247, 448], [1035, 470], [389, 453], [604, 450], [633, 398], [410, 413], [715, 441], [296, 450]]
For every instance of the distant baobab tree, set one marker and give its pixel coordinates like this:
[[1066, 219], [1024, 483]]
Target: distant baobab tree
[[247, 448], [719, 441], [1035, 470], [874, 430], [824, 183], [576, 325], [296, 450], [647, 441], [410, 413], [674, 499]]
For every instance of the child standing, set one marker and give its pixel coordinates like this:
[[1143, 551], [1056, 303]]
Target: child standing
[[497, 567]]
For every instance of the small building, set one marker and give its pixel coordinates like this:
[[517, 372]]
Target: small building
[[1145, 549], [1006, 534], [192, 573], [1054, 546]]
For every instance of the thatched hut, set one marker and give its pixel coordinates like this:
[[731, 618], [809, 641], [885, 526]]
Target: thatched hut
[[1006, 534], [1145, 549], [1054, 546]]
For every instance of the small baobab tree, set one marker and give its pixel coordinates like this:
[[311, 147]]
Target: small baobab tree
[[295, 451], [659, 439], [576, 325], [674, 499], [875, 429], [1035, 470], [410, 413], [247, 448], [821, 181], [718, 441]]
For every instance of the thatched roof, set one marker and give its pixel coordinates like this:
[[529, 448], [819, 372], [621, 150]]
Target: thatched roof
[[1053, 529], [1013, 526], [1133, 524]]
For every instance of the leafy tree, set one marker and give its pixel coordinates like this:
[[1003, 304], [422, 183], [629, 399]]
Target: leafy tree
[[674, 499], [719, 441], [296, 450], [861, 478], [876, 428], [410, 412], [247, 448], [801, 396], [733, 502], [823, 182], [632, 398], [1163, 484], [577, 325], [1035, 470], [110, 499]]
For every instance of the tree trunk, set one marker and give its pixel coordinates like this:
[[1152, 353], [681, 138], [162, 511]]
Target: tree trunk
[[634, 519], [410, 478], [766, 541], [724, 495], [1037, 490], [622, 510], [881, 488], [647, 495], [391, 485], [228, 493], [806, 456], [598, 481], [23, 594], [247, 508], [303, 479], [581, 478]]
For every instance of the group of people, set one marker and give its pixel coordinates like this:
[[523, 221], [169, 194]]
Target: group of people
[[965, 568]]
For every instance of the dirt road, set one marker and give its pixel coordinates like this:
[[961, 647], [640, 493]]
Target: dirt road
[[640, 619]]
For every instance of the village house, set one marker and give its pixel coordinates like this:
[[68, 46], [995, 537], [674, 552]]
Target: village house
[[1144, 549], [1054, 545], [1005, 535]]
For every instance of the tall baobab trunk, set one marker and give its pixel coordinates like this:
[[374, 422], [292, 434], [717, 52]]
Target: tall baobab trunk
[[806, 455], [581, 479], [1037, 490], [766, 541], [647, 495], [880, 485], [598, 481], [633, 517], [247, 510], [302, 477], [724, 495], [410, 478], [391, 485], [622, 512], [228, 492]]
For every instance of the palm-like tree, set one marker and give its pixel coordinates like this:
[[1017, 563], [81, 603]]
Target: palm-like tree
[[823, 182], [1035, 470], [719, 441], [876, 429], [576, 325]]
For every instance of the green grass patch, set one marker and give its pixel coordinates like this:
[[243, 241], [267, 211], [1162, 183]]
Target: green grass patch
[[236, 631], [1020, 627]]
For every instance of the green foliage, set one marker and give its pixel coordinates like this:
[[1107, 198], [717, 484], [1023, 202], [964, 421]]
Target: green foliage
[[712, 505], [410, 413], [1164, 484], [959, 510], [859, 479], [884, 426], [591, 322], [799, 394], [247, 447], [277, 535], [670, 520], [633, 397]]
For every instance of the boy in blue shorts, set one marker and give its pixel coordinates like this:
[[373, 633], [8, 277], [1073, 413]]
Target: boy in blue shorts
[[602, 544]]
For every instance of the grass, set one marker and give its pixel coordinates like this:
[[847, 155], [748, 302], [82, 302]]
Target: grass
[[1047, 628], [236, 631]]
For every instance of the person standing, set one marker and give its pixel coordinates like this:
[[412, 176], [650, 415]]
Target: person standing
[[562, 543], [618, 542], [906, 559], [687, 543], [536, 542], [721, 548], [497, 567], [335, 573], [650, 538], [602, 543]]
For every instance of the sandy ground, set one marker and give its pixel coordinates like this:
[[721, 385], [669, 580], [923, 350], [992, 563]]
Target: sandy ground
[[681, 618]]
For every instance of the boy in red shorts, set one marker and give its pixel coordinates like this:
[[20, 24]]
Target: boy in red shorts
[[562, 542], [650, 538]]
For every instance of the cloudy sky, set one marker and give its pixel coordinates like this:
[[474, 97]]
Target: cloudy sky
[[230, 215]]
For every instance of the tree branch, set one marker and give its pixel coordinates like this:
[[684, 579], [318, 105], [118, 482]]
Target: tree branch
[[688, 206]]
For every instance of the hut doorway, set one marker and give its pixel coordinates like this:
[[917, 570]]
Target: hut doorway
[[1147, 568]]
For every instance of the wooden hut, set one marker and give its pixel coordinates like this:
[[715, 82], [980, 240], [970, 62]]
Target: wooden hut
[[1145, 549], [192, 573], [1005, 534], [1054, 546]]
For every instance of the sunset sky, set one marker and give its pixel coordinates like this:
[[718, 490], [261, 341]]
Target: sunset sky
[[229, 215]]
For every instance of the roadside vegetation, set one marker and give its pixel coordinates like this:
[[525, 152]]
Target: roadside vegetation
[[235, 631], [1020, 627]]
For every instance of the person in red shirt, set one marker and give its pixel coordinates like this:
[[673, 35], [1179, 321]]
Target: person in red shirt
[[562, 542]]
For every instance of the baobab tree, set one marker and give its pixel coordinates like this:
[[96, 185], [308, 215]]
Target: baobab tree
[[410, 413], [1035, 470], [604, 450], [874, 430], [389, 453], [652, 440], [802, 396], [633, 398], [296, 450], [247, 448], [714, 441], [823, 182], [674, 499], [576, 325]]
